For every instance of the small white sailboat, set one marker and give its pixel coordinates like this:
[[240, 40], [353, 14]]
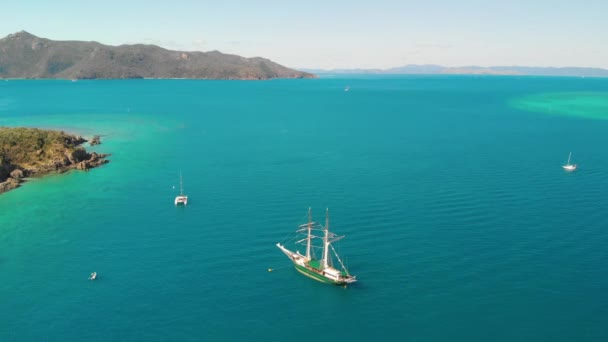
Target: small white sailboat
[[568, 166], [181, 199], [93, 276]]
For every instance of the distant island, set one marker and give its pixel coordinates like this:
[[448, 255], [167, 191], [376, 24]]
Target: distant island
[[28, 152], [23, 55], [430, 69]]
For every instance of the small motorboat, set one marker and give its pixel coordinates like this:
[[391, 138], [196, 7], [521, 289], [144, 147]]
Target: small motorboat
[[93, 276]]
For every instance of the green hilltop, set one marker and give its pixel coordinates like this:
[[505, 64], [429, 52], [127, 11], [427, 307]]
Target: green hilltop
[[23, 55]]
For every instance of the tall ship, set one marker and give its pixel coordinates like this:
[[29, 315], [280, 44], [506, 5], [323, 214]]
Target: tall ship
[[321, 269]]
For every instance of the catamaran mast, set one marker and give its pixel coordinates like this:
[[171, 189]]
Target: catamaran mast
[[309, 231], [326, 241], [181, 184]]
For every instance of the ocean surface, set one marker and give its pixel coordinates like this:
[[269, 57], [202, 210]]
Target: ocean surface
[[460, 223]]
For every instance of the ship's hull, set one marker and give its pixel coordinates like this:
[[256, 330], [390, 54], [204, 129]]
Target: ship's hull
[[316, 276], [305, 267]]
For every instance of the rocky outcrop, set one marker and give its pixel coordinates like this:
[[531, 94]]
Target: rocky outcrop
[[75, 156], [17, 174], [12, 181], [30, 152], [76, 140], [95, 141], [92, 160], [9, 184]]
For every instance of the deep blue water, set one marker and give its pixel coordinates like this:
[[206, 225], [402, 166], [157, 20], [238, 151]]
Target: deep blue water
[[460, 223]]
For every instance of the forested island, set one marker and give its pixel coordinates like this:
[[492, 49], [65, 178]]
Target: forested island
[[24, 55], [30, 152]]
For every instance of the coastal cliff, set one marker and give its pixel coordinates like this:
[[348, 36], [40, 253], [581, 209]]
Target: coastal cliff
[[24, 55], [28, 152]]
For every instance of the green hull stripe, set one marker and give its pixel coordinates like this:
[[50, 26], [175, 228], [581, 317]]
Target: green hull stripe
[[315, 276]]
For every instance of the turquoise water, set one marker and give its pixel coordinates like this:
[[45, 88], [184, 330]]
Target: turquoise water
[[460, 223], [589, 105]]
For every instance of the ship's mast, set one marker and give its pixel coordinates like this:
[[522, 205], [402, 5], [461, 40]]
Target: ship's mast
[[309, 231], [326, 241]]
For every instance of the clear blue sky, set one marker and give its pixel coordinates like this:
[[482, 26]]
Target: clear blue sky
[[336, 34]]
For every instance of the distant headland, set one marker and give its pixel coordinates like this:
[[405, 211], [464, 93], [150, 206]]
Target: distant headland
[[23, 55], [431, 69], [28, 152]]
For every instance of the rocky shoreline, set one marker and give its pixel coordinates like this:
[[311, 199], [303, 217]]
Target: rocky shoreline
[[31, 152]]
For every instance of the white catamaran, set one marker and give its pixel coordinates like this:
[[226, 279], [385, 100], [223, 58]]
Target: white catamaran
[[181, 199], [321, 270], [568, 166]]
